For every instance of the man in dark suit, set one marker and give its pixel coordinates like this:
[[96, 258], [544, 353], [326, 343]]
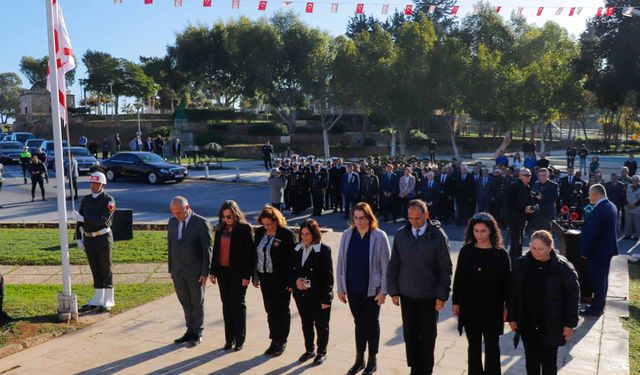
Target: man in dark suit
[[447, 191], [568, 185], [350, 189], [598, 244], [189, 264], [430, 193], [483, 191], [465, 195], [518, 210], [335, 182], [389, 187], [546, 192]]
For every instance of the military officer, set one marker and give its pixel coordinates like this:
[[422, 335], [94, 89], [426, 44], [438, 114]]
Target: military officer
[[286, 171], [299, 189], [370, 187], [94, 220], [319, 184]]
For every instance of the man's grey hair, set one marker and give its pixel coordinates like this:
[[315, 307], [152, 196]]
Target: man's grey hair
[[635, 178], [543, 170], [598, 189], [430, 174], [523, 169], [179, 199]]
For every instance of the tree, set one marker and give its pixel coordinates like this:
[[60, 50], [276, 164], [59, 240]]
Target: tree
[[10, 90], [170, 81], [36, 71]]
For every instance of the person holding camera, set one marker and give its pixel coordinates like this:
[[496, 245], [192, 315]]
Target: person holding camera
[[546, 194], [519, 207]]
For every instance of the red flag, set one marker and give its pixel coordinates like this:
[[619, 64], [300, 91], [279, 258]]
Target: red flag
[[206, 3], [498, 9], [571, 11], [540, 9], [359, 8], [262, 5], [148, 2], [599, 13], [610, 11], [235, 4], [454, 10], [408, 10], [65, 62], [334, 7], [309, 8]]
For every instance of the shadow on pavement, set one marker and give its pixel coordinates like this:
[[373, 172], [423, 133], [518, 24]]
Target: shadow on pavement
[[137, 359]]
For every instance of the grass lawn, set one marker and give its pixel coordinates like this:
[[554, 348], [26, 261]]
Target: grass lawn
[[42, 247], [34, 307], [634, 318]]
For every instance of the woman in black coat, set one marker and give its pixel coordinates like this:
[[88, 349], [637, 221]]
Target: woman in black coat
[[232, 266], [544, 302], [480, 291], [311, 280], [273, 245]]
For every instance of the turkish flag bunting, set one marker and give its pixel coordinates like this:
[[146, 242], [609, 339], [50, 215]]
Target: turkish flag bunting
[[540, 9], [408, 10], [206, 3], [309, 8], [385, 8], [235, 4], [559, 11], [599, 12], [147, 2], [262, 5], [571, 11], [498, 9], [610, 11], [334, 7], [454, 10], [177, 3], [432, 9], [476, 10], [359, 8]]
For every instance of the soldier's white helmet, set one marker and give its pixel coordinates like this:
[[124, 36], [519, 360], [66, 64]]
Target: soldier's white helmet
[[98, 177]]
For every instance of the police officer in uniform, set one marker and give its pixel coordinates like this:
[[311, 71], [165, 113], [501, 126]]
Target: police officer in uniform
[[370, 187], [286, 171], [319, 184], [299, 189], [25, 161], [94, 220]]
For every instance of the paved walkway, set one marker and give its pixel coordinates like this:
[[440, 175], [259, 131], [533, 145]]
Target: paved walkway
[[141, 340]]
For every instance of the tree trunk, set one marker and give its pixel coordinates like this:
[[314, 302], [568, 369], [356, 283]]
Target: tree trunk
[[524, 131], [506, 141], [393, 141], [452, 134], [402, 137], [325, 140], [543, 135]]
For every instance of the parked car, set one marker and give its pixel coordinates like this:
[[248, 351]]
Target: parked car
[[47, 147], [6, 138], [33, 144], [87, 163], [10, 152], [21, 137], [142, 165]]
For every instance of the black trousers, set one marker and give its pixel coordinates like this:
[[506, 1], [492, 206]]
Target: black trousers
[[432, 157], [389, 207], [318, 201], [336, 199], [98, 250], [191, 296], [74, 188], [516, 233], [366, 316], [276, 299], [540, 358], [268, 164], [475, 336], [312, 315], [25, 168], [34, 182], [419, 326], [234, 308], [1, 292], [570, 161], [598, 272], [465, 210]]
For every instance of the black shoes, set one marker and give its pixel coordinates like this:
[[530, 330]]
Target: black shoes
[[320, 358], [87, 308], [357, 366], [590, 312], [279, 349], [4, 318], [372, 366], [103, 309], [227, 345], [238, 347], [306, 356], [186, 337], [195, 341], [270, 349]]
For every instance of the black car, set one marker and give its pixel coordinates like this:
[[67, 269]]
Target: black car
[[147, 165], [10, 152]]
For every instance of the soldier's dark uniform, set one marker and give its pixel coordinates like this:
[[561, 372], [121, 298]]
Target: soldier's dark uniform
[[369, 189], [319, 184], [299, 191], [335, 186], [98, 240], [287, 170]]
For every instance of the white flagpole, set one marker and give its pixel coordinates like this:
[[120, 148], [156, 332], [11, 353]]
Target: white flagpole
[[67, 302]]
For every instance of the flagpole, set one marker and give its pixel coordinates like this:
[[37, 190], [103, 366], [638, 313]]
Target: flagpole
[[67, 302]]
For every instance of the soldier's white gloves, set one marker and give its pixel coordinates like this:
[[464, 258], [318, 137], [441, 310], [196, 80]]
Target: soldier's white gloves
[[80, 244], [79, 218]]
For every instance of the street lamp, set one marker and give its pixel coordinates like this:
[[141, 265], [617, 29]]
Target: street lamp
[[138, 106]]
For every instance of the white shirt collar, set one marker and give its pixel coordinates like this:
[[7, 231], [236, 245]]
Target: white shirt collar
[[186, 220], [422, 229], [300, 246], [96, 195]]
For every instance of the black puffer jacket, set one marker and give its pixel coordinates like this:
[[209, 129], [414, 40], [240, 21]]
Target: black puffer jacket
[[562, 296]]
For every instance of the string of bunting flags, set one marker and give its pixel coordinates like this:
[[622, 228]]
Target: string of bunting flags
[[310, 7]]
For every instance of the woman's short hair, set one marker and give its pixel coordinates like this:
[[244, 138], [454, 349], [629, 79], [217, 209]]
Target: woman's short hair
[[368, 213], [314, 228], [236, 212], [495, 236], [544, 236], [273, 214]]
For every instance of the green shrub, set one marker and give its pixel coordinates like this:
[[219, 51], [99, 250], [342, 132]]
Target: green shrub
[[267, 129], [218, 126], [201, 115]]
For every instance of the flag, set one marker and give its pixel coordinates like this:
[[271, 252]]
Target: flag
[[235, 4], [571, 11], [206, 3], [262, 5], [519, 12], [476, 9], [177, 3], [432, 9], [359, 8], [610, 11], [334, 7], [455, 8], [65, 62], [148, 2], [117, 1], [579, 10], [385, 8], [408, 10], [540, 9], [498, 9], [559, 11], [285, 4], [309, 8], [599, 12]]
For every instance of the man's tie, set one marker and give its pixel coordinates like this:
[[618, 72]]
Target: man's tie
[[430, 184], [417, 234]]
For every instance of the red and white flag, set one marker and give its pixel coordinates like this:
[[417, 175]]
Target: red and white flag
[[408, 10], [432, 9], [117, 1], [455, 8], [65, 62], [540, 9], [578, 10], [559, 11], [262, 5], [359, 8], [177, 3], [285, 4], [148, 2], [206, 3], [309, 7], [498, 8], [385, 8], [235, 4], [599, 12], [572, 10], [610, 11], [334, 7], [476, 10]]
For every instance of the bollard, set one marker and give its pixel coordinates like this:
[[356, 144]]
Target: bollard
[[206, 172], [237, 174]]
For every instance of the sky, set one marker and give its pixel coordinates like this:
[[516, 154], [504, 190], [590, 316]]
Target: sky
[[133, 29]]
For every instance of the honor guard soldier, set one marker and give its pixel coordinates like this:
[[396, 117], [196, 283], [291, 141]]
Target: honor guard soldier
[[286, 171], [370, 187], [94, 236], [319, 184], [299, 189]]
